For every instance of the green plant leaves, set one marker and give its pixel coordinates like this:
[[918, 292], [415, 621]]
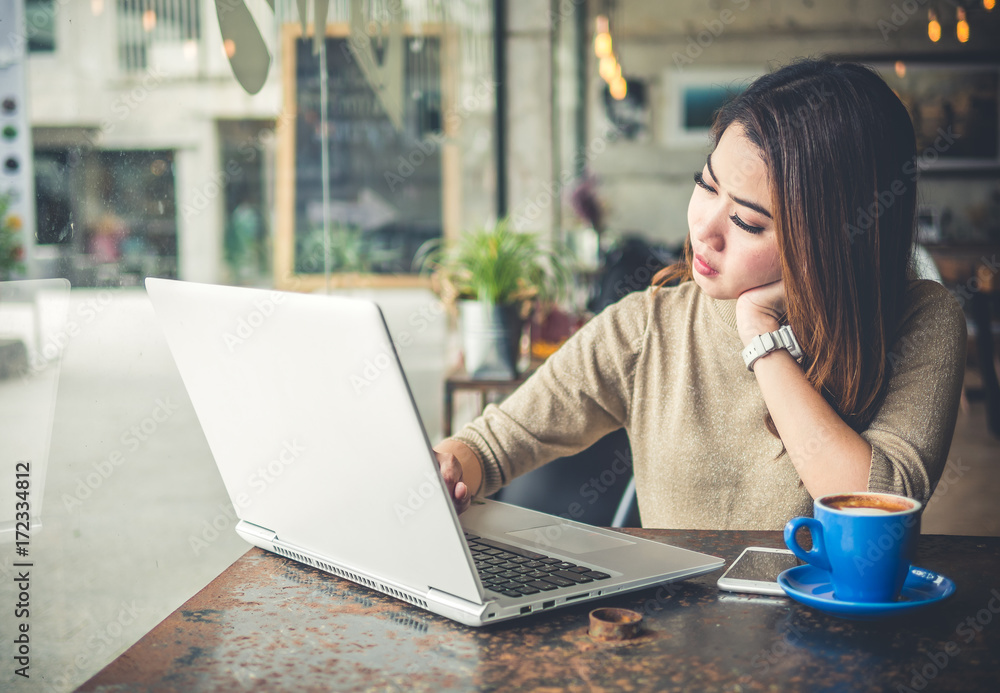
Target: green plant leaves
[[498, 265]]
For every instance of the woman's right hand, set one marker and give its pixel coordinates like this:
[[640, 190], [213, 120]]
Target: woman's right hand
[[451, 471], [462, 471]]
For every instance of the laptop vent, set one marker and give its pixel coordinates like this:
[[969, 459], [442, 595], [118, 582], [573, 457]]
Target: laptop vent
[[353, 577]]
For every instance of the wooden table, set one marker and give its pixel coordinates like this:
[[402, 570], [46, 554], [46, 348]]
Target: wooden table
[[271, 624]]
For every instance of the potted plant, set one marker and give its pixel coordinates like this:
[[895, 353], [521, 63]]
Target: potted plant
[[494, 276]]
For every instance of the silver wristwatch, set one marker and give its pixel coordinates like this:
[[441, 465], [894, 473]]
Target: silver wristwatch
[[764, 344]]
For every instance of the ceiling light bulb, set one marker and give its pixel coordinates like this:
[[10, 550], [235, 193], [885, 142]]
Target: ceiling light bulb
[[606, 68], [933, 26], [618, 88], [962, 28], [602, 45]]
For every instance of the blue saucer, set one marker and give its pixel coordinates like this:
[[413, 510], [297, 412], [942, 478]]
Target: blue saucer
[[811, 586]]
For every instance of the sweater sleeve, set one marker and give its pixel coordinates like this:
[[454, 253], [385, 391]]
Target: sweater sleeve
[[911, 434], [580, 394]]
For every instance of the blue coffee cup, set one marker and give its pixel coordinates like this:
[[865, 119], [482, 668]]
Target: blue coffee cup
[[865, 540]]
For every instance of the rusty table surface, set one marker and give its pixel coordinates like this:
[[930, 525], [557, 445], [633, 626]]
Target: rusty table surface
[[271, 624]]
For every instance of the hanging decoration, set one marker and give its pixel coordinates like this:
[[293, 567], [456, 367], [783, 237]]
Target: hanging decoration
[[380, 56], [244, 44], [376, 31]]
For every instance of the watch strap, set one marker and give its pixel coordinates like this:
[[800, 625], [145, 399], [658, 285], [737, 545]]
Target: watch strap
[[764, 344]]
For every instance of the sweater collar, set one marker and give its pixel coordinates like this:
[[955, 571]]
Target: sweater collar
[[726, 310]]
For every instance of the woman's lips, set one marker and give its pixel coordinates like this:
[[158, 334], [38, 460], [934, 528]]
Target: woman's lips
[[702, 267]]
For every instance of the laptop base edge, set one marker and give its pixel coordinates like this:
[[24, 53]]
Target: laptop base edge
[[434, 600]]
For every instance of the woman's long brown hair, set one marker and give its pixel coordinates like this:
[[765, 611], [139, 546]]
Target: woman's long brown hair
[[840, 151]]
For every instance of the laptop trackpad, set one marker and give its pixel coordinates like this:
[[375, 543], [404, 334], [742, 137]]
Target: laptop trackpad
[[568, 538]]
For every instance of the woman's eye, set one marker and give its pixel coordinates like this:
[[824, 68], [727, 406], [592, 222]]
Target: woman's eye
[[700, 182], [745, 226], [749, 228]]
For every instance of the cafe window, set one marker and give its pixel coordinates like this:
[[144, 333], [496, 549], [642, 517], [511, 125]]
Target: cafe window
[[247, 160], [39, 17], [164, 33], [384, 176], [408, 116], [106, 218]]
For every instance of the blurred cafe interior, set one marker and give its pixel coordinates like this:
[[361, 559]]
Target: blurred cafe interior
[[233, 143]]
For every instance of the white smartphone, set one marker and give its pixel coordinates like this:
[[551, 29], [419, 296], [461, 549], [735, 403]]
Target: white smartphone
[[757, 569]]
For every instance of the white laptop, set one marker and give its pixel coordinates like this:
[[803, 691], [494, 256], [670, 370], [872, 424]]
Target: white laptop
[[322, 451]]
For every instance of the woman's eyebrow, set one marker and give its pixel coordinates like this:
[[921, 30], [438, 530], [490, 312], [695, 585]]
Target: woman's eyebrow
[[746, 203]]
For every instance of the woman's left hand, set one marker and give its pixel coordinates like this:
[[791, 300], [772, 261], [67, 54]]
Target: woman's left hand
[[760, 310]]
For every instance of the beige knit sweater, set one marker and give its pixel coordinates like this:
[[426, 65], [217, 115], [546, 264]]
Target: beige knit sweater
[[666, 366]]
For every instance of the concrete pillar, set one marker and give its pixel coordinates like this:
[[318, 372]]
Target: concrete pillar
[[200, 206], [532, 195]]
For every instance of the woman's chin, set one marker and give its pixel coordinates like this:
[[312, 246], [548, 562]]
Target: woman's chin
[[713, 288]]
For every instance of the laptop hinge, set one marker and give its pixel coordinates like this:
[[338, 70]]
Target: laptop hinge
[[453, 601], [250, 529]]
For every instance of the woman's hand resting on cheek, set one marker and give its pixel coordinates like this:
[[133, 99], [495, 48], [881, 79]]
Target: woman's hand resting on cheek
[[759, 310]]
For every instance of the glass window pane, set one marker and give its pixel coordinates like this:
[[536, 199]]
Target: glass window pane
[[40, 25], [384, 176], [135, 152]]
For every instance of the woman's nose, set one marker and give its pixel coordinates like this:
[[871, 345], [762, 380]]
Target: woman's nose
[[710, 230]]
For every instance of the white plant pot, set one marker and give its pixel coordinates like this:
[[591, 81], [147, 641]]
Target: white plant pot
[[491, 338]]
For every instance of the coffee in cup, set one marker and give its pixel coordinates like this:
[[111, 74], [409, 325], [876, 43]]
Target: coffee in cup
[[868, 503], [865, 540]]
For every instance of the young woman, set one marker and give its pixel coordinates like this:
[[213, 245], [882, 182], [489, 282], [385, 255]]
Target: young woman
[[802, 216]]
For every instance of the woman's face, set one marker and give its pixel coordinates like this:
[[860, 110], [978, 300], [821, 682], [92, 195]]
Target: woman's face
[[730, 220]]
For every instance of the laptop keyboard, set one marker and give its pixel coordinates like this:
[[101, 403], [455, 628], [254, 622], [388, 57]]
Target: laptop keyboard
[[516, 572]]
